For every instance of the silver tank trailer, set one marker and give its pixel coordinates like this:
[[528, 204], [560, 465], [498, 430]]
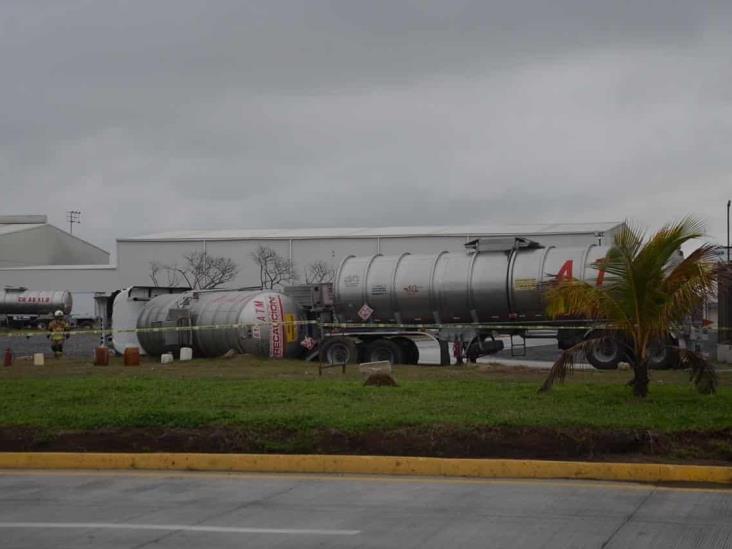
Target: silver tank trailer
[[25, 302], [222, 308], [484, 286]]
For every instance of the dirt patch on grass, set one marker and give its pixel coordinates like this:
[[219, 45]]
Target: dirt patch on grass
[[438, 441], [380, 380]]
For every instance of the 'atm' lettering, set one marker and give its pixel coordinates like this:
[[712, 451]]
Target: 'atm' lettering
[[565, 273], [600, 273]]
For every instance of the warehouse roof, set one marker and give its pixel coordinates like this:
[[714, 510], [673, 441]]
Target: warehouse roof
[[12, 224], [23, 219], [7, 228], [382, 232]]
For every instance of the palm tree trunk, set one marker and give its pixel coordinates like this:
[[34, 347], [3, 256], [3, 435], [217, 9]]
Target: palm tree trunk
[[640, 379]]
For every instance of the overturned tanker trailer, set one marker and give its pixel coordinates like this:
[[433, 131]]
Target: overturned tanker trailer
[[380, 308], [211, 322]]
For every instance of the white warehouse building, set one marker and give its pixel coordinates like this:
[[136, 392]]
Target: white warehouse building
[[302, 246]]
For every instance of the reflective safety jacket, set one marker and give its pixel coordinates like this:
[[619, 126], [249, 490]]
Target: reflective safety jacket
[[57, 329]]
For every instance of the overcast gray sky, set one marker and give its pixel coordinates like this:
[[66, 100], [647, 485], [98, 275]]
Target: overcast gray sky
[[162, 115]]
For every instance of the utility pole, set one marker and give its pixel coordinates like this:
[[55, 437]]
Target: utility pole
[[728, 205], [73, 216], [723, 296]]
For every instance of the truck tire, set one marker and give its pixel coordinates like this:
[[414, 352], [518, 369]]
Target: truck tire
[[472, 353], [339, 350], [662, 357], [384, 349], [410, 351], [605, 353]]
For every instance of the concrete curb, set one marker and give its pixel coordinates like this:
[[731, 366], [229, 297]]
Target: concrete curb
[[372, 465]]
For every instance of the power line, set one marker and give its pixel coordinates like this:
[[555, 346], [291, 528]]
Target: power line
[[73, 216]]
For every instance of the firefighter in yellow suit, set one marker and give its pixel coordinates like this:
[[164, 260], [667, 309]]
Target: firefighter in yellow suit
[[57, 329]]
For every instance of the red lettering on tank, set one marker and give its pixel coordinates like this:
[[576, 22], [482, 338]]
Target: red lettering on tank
[[412, 289], [600, 273], [260, 311], [277, 332], [565, 273]]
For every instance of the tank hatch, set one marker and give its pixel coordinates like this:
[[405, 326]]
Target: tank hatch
[[500, 244]]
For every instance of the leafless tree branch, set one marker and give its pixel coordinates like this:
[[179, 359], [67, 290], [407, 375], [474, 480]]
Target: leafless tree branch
[[319, 272], [199, 270], [274, 269]]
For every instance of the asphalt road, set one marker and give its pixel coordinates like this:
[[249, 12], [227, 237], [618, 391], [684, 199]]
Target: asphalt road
[[127, 510], [77, 346], [540, 353]]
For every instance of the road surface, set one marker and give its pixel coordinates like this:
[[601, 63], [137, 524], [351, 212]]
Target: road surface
[[540, 353], [186, 510]]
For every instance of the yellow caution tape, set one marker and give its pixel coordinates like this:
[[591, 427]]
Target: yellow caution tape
[[328, 327]]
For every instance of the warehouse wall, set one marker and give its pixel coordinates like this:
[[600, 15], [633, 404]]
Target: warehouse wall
[[330, 250], [135, 257], [91, 278]]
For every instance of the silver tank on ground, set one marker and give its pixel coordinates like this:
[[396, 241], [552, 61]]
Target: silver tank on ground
[[25, 302], [204, 311], [493, 283]]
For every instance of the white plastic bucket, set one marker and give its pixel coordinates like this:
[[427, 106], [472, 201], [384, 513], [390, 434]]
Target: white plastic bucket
[[186, 353], [38, 359], [166, 358]]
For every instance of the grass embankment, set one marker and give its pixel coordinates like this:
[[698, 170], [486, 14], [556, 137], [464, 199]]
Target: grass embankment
[[284, 406]]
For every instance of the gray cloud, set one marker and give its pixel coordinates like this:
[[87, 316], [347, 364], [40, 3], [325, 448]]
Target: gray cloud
[[162, 115]]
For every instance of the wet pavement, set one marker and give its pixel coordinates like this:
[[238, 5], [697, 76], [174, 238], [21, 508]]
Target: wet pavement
[[135, 510]]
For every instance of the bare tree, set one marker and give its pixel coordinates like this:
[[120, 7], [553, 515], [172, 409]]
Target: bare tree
[[158, 270], [199, 271], [318, 272], [273, 268]]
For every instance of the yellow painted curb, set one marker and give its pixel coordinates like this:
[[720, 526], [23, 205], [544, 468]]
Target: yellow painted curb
[[372, 465]]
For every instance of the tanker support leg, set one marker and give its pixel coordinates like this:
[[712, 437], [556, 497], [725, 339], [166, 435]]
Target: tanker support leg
[[444, 352]]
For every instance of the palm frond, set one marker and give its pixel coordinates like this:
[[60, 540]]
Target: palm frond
[[628, 240], [574, 298], [578, 299], [564, 365]]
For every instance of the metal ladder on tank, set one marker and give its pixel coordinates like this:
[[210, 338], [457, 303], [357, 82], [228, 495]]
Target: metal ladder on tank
[[518, 346]]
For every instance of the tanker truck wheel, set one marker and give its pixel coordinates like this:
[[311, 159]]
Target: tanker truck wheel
[[339, 350], [410, 352], [605, 353], [383, 350], [662, 356]]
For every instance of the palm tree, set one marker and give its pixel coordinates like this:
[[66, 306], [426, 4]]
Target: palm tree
[[647, 291]]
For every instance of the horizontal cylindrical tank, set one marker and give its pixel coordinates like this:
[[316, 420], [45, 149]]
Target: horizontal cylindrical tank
[[26, 302], [212, 315], [485, 286]]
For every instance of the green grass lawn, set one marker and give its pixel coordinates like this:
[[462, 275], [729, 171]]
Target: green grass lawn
[[256, 394]]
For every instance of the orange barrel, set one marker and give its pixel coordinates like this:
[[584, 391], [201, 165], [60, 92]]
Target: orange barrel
[[132, 356], [101, 356]]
